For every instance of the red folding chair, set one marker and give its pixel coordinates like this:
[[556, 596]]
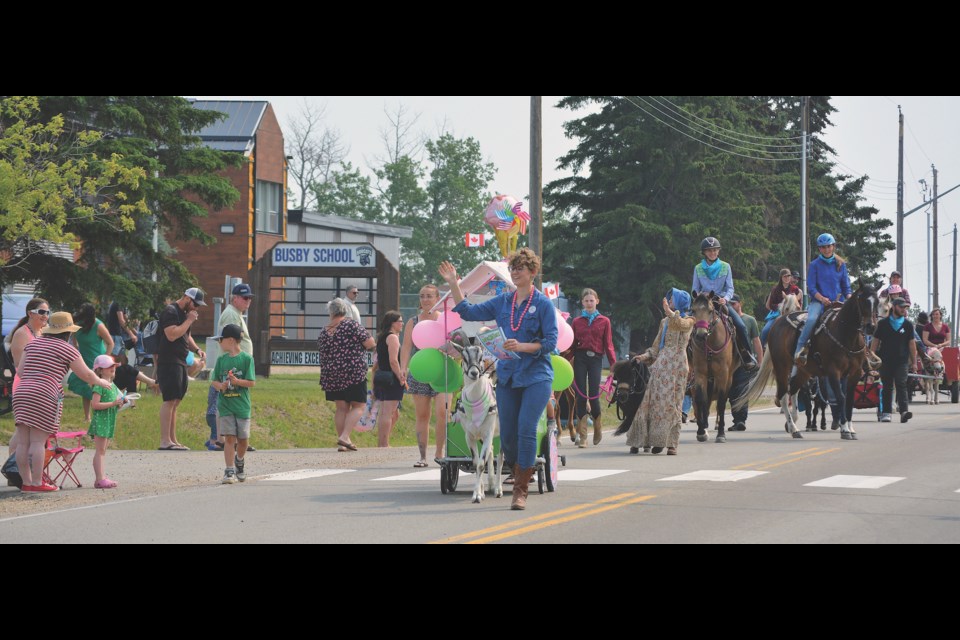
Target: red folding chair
[[64, 453]]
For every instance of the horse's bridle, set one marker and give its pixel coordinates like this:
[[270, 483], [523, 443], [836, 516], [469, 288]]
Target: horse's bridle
[[710, 326]]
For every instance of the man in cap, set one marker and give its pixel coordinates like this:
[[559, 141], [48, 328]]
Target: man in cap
[[894, 342], [896, 279], [174, 345], [241, 297], [741, 377]]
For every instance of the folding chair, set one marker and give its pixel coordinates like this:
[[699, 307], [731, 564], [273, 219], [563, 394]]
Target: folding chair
[[64, 454]]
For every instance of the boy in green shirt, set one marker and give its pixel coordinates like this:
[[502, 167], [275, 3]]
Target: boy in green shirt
[[233, 376]]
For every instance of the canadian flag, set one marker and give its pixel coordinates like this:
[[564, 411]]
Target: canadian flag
[[551, 290], [474, 240]]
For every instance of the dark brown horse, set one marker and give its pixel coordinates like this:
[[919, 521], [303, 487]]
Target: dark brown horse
[[713, 362], [838, 350]]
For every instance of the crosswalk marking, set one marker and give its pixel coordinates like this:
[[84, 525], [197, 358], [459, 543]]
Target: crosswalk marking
[[715, 475], [579, 475], [855, 482], [432, 475], [304, 474]]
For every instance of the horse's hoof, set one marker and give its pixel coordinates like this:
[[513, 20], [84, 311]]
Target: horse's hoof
[[797, 435], [823, 427], [834, 425], [720, 439], [845, 435], [476, 500], [701, 437], [853, 436]]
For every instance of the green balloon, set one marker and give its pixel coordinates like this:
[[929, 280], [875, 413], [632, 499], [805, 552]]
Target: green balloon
[[427, 364], [562, 373], [453, 379]]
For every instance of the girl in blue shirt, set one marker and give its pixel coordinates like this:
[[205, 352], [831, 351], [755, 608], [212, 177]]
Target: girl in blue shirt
[[529, 322], [827, 282]]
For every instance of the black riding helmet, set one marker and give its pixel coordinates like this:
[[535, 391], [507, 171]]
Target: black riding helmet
[[709, 243]]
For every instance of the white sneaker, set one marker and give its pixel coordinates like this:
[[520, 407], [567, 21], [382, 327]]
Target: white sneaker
[[230, 476], [886, 418]]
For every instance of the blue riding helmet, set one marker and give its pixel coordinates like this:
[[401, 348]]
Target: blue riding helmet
[[825, 240]]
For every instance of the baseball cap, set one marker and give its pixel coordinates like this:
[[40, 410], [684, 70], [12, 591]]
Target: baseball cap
[[785, 272], [896, 273], [243, 289], [104, 361], [900, 302], [196, 295], [795, 274], [230, 331], [735, 298]]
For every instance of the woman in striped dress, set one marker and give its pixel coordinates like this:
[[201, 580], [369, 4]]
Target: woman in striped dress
[[38, 401]]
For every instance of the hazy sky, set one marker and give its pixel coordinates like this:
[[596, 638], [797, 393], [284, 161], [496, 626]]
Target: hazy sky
[[864, 135]]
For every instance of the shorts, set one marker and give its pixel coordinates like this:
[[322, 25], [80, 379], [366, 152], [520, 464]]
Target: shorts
[[354, 393], [417, 388], [234, 426], [172, 379]]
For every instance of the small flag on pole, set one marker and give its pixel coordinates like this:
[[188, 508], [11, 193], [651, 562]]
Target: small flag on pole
[[474, 240], [551, 290]]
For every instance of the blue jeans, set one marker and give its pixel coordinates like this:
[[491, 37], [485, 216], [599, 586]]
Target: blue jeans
[[741, 329], [741, 380], [117, 345], [766, 330], [687, 404], [814, 312], [212, 423], [519, 410]]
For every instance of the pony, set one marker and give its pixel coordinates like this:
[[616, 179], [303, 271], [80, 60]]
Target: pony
[[837, 350], [713, 362], [932, 367], [632, 378], [477, 412]]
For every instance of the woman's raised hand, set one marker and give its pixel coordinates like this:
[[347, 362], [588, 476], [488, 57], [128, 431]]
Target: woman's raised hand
[[666, 307], [448, 272]]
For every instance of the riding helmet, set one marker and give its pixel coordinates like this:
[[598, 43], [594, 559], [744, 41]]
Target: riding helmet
[[825, 240], [709, 243]]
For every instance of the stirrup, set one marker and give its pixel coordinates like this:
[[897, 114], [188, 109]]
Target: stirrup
[[801, 358]]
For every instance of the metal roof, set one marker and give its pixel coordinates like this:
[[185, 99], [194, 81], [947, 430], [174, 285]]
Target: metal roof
[[236, 132]]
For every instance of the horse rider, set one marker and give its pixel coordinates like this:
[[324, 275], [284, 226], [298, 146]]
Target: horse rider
[[827, 282], [713, 274], [896, 280], [784, 287]]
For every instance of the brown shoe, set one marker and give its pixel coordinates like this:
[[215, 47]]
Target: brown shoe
[[597, 430], [582, 431], [671, 451], [521, 484]]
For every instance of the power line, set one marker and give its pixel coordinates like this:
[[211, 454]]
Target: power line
[[708, 144], [730, 131]]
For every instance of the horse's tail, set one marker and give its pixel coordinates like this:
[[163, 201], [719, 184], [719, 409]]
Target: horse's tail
[[757, 385], [790, 304]]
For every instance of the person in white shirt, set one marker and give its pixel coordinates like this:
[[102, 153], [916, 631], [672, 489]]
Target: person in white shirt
[[351, 301]]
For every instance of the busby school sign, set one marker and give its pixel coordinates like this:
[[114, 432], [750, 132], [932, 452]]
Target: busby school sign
[[324, 255]]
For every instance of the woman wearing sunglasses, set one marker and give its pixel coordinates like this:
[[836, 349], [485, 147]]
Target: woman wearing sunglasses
[[28, 329]]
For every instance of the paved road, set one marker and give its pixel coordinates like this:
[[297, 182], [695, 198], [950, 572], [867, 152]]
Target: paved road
[[898, 483]]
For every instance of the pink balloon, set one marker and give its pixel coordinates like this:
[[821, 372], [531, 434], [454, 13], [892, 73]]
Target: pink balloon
[[565, 337], [450, 321], [428, 334]]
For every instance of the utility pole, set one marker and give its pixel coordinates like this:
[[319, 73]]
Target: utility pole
[[953, 295], [900, 215], [804, 223], [536, 181], [936, 245]]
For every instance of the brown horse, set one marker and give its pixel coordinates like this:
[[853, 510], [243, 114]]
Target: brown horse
[[838, 350], [713, 362]]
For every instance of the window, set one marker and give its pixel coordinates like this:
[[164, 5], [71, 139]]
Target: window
[[269, 203]]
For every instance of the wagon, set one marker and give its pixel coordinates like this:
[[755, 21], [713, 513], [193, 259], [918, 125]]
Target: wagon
[[951, 373], [459, 458]]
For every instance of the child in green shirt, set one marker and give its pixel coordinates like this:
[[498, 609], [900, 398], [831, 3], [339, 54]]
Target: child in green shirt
[[233, 376], [104, 422]]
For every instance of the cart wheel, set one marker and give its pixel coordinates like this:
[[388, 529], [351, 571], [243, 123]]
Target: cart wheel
[[453, 476], [563, 461], [551, 459], [540, 478], [955, 392], [444, 487]]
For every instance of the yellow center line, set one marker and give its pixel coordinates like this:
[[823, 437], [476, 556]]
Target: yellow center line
[[533, 519], [795, 453], [556, 521], [809, 455]]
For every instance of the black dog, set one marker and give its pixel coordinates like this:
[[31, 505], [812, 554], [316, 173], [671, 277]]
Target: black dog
[[813, 400], [632, 378]]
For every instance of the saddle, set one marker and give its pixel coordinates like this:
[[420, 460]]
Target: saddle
[[799, 318]]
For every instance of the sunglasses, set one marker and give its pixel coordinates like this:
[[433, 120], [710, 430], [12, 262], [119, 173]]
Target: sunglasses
[[40, 312]]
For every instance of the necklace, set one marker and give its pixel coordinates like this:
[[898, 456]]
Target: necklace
[[513, 308]]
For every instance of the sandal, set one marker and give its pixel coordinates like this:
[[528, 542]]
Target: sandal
[[106, 483], [349, 446], [420, 464]]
